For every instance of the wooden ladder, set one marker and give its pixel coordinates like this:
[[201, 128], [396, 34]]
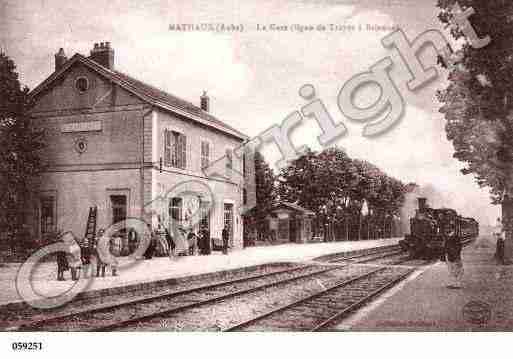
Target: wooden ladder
[[90, 233]]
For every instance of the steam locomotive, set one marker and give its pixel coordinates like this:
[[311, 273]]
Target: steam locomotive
[[429, 227]]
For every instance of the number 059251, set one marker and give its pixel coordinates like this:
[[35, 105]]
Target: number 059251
[[27, 346]]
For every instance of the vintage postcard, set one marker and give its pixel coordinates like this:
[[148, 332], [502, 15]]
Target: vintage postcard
[[255, 166]]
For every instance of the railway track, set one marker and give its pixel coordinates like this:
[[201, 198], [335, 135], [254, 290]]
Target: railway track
[[321, 310], [119, 315], [371, 253], [365, 258]]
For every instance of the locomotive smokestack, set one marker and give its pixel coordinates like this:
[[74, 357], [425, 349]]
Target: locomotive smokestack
[[422, 203]]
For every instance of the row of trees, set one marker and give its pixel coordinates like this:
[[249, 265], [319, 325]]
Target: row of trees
[[343, 192], [351, 198]]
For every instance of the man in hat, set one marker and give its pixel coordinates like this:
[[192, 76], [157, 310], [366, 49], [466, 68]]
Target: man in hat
[[452, 248]]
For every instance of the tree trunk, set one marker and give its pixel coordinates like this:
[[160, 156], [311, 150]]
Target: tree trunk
[[507, 221], [360, 226], [368, 227]]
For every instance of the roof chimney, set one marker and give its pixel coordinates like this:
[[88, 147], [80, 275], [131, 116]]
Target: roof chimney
[[422, 204], [60, 59], [103, 54], [205, 102]]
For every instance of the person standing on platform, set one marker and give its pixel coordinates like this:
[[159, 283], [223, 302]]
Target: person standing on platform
[[170, 242], [115, 245], [192, 242], [148, 254], [499, 234], [86, 253], [162, 247], [105, 246], [73, 255], [100, 265], [62, 265], [132, 241], [226, 237], [205, 241], [452, 248]]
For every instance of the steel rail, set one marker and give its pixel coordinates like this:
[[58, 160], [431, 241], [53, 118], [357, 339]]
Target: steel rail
[[340, 255], [310, 297], [123, 323], [379, 256], [362, 301], [148, 298]]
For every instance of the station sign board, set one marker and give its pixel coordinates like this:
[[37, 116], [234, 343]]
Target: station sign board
[[88, 126]]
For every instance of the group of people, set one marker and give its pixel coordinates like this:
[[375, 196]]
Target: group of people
[[189, 243], [81, 257]]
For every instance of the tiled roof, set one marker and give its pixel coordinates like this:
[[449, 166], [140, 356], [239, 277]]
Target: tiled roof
[[147, 92], [295, 207], [173, 100]]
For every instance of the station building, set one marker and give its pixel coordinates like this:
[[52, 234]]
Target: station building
[[118, 143]]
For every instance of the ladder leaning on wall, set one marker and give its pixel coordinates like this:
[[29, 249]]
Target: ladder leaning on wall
[[90, 232]]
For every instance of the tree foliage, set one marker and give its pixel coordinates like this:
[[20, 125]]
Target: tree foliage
[[19, 148], [337, 187], [477, 103], [265, 196]]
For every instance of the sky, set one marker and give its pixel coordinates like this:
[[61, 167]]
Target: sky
[[253, 77]]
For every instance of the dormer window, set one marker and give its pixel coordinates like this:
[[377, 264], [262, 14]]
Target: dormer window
[[82, 84]]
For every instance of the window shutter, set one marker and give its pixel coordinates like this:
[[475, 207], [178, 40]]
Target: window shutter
[[167, 148], [202, 157], [174, 144], [176, 148], [205, 154], [183, 151], [229, 159], [229, 162]]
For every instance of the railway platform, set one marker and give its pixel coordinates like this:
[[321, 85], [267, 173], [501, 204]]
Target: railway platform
[[145, 272], [424, 303]]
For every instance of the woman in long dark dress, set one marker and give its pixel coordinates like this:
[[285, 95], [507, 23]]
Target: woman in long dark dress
[[205, 242], [150, 251], [170, 242], [62, 265]]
